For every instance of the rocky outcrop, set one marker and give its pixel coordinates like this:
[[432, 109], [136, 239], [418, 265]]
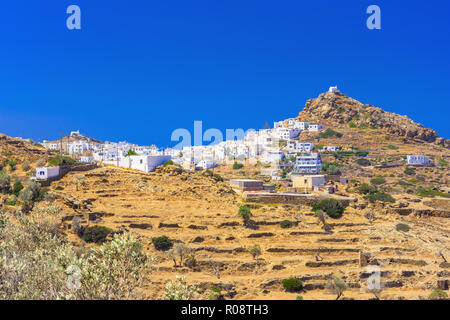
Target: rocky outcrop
[[341, 109]]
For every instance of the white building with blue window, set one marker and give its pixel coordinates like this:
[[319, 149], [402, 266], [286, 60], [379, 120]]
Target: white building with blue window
[[308, 163], [417, 159], [47, 172]]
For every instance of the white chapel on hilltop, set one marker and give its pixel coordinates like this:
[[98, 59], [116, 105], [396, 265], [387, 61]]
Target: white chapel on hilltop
[[333, 89]]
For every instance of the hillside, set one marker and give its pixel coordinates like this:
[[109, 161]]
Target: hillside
[[337, 110], [20, 151]]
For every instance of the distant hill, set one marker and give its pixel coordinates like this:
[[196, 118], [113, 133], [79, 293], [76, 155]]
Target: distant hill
[[77, 138], [338, 110]]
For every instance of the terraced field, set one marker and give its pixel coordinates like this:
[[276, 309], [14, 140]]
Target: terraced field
[[202, 213]]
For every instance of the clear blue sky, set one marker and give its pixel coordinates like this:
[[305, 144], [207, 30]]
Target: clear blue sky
[[140, 69]]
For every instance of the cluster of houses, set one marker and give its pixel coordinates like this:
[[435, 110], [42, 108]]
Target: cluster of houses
[[267, 146]]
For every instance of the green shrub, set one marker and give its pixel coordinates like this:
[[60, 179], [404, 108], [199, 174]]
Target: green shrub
[[96, 234], [61, 161], [5, 182], [366, 188], [442, 163], [286, 224], [363, 162], [431, 192], [328, 133], [331, 207], [245, 213], [378, 180], [409, 171], [292, 284], [18, 186], [332, 168], [237, 166], [402, 227], [217, 177], [162, 243], [168, 163], [59, 188], [392, 147], [438, 294], [380, 196], [12, 202], [12, 164], [131, 153]]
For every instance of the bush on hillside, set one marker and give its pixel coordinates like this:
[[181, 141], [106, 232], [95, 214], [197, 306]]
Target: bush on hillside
[[18, 186], [380, 196], [378, 180], [245, 213], [438, 294], [328, 133], [363, 162], [61, 161], [366, 188], [402, 227], [410, 171], [292, 284], [168, 163], [331, 207], [237, 166], [96, 234], [162, 243], [5, 182]]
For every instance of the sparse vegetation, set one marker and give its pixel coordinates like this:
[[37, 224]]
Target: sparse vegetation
[[410, 171], [331, 207], [292, 284], [328, 133], [378, 180], [162, 243], [18, 186], [5, 182], [96, 234], [237, 166], [131, 152], [180, 290], [379, 196], [336, 286], [287, 224], [168, 163], [438, 294], [44, 265], [245, 213], [363, 162], [402, 227], [431, 192], [61, 161]]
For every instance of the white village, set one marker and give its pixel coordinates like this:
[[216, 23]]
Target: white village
[[279, 150]]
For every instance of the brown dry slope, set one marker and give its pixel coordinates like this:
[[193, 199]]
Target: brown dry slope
[[202, 213]]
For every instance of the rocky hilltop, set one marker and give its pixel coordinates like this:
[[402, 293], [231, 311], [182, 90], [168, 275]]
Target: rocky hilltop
[[20, 150], [337, 110]]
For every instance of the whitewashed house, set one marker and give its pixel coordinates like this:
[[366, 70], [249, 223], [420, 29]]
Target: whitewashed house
[[47, 172], [329, 149], [315, 127], [294, 146], [206, 164], [308, 163], [417, 159], [272, 156], [87, 159], [286, 133], [146, 163]]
